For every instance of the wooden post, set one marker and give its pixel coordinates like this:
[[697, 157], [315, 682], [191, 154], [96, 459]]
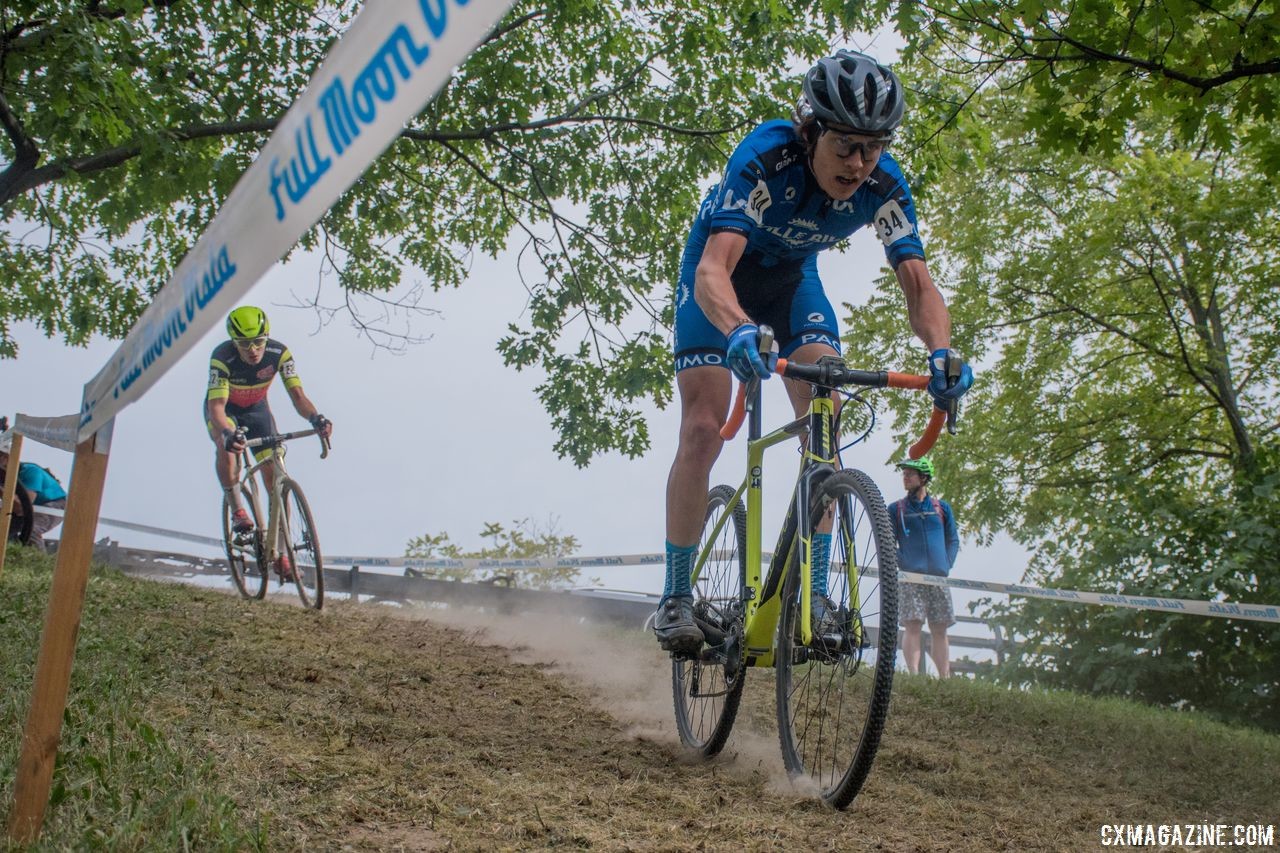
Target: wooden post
[[34, 776], [10, 489]]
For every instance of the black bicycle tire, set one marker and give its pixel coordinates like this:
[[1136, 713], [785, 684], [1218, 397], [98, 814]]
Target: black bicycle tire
[[681, 669], [21, 501], [841, 792], [241, 577], [313, 600]]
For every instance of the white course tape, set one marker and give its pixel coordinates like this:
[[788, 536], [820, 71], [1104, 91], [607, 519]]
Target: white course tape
[[1225, 609], [393, 58], [57, 432], [472, 563], [1220, 609]]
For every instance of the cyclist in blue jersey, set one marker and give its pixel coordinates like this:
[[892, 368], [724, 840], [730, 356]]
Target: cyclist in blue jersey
[[790, 190]]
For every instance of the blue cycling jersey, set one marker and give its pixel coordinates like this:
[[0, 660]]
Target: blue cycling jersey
[[769, 195]]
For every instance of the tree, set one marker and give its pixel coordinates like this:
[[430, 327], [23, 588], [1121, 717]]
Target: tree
[[1084, 69], [524, 540], [579, 131], [1124, 426]]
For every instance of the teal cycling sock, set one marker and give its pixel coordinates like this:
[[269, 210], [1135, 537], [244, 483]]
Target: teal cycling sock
[[821, 562], [679, 565]]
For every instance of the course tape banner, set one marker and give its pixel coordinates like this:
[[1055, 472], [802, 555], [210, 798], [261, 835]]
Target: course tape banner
[[1226, 609], [395, 56], [57, 432]]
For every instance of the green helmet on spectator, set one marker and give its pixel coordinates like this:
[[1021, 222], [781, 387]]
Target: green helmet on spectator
[[924, 466]]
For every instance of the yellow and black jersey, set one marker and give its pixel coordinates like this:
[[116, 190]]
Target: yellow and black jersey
[[243, 385]]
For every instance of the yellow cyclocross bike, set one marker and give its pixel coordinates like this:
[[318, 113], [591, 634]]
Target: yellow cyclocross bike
[[832, 685]]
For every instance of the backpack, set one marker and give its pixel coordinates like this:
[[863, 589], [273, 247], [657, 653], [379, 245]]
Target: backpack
[[902, 519]]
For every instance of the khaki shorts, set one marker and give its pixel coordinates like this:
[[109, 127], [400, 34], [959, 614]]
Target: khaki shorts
[[918, 602]]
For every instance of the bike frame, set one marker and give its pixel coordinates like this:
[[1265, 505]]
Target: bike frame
[[275, 495], [763, 592]]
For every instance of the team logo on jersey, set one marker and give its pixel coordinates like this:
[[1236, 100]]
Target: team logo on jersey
[[892, 223], [682, 295], [758, 202], [789, 194], [797, 237], [267, 372], [816, 317], [801, 222]]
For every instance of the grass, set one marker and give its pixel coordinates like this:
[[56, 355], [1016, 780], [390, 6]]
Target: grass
[[200, 721]]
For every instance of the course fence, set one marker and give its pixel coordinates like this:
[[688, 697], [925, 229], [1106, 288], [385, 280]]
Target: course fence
[[419, 565]]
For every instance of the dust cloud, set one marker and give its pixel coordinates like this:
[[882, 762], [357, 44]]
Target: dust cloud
[[624, 673]]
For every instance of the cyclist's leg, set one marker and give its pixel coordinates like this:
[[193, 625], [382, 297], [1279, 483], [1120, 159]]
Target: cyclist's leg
[[704, 387], [811, 333], [227, 466], [704, 400]]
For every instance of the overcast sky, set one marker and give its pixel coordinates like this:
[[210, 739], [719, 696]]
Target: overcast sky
[[442, 438]]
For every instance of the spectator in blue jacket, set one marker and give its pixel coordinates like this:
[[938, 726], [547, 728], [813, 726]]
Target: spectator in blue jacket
[[41, 486], [928, 542]]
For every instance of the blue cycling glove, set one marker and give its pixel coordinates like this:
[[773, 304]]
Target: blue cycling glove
[[743, 354], [943, 396]]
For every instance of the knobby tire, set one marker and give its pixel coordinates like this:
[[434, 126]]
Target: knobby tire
[[244, 550], [833, 698], [708, 690], [302, 546]]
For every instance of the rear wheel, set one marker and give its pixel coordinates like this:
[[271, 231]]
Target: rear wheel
[[302, 546], [244, 550], [833, 695], [708, 686], [21, 516]]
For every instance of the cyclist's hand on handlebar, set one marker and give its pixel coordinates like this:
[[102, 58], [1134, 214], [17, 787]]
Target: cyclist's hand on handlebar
[[233, 440], [322, 425], [743, 354], [951, 377]]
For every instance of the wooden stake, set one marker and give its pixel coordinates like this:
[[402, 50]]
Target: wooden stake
[[34, 776], [10, 489]]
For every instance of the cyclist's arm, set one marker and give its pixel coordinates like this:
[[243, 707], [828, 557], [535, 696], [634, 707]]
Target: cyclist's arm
[[302, 403], [216, 411], [926, 309], [713, 287]]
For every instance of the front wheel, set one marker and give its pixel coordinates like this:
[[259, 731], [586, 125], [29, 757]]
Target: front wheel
[[302, 546], [244, 550], [833, 694], [708, 687]]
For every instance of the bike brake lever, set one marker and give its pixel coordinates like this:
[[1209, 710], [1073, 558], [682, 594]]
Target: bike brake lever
[[953, 366]]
